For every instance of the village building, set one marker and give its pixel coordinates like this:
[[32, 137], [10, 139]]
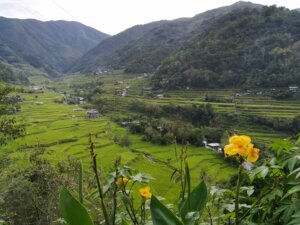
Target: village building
[[213, 146], [36, 88], [127, 123], [293, 88], [92, 113]]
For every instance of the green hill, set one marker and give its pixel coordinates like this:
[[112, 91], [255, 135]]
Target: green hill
[[245, 48], [142, 48], [51, 46], [102, 55]]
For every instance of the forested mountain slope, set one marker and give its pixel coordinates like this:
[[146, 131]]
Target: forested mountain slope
[[244, 48], [101, 55], [51, 46], [142, 48]]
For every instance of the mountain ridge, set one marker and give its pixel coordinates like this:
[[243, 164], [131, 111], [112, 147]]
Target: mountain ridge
[[145, 53], [246, 48], [51, 46]]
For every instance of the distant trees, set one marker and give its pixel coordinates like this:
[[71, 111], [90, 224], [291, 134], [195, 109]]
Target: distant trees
[[9, 128], [242, 48], [162, 124], [296, 124]]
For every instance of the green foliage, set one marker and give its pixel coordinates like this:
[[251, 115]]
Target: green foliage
[[245, 48], [296, 124], [195, 202], [72, 210], [32, 195], [160, 214], [6, 74], [52, 46], [125, 140], [9, 129], [164, 123]]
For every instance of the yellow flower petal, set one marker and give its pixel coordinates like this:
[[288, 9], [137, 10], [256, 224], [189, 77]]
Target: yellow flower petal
[[253, 155], [121, 181], [245, 150], [240, 140], [231, 150], [145, 192]]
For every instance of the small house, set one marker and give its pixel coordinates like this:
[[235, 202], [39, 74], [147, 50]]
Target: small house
[[213, 146], [293, 88], [36, 88], [92, 113]]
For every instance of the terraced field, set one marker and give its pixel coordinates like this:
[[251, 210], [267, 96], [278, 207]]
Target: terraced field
[[63, 131]]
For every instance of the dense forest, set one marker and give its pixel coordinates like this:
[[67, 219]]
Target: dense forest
[[247, 48]]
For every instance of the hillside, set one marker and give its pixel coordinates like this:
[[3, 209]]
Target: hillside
[[144, 52], [247, 48], [100, 56], [51, 46]]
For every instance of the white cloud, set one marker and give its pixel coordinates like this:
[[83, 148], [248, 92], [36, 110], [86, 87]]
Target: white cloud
[[113, 16]]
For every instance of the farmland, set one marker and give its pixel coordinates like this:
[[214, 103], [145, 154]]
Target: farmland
[[63, 129]]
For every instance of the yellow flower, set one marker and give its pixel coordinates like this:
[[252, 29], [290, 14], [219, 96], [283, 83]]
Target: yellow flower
[[242, 146], [240, 140], [253, 155], [145, 192], [121, 181]]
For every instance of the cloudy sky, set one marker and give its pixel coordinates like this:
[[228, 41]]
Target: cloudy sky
[[114, 16]]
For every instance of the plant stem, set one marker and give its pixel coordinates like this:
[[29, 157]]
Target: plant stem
[[130, 210], [93, 155], [237, 194], [143, 213], [80, 181], [210, 216], [117, 162]]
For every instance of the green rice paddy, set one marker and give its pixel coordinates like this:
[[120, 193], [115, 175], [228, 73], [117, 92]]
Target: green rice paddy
[[63, 130]]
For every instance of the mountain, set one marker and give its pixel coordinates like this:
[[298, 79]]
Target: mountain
[[157, 41], [51, 46], [245, 48], [100, 56]]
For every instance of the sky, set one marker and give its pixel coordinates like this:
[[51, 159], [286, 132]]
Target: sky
[[114, 16]]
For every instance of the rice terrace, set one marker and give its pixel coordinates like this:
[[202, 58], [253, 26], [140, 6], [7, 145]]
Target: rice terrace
[[187, 121]]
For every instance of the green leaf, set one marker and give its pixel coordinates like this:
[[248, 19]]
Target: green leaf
[[280, 146], [161, 215], [73, 212], [277, 192], [126, 199], [296, 171], [292, 191], [142, 177], [291, 162], [261, 171], [125, 222], [295, 221], [195, 202]]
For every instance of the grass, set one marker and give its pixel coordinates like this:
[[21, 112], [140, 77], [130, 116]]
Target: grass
[[64, 131]]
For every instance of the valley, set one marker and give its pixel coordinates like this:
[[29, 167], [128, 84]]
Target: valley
[[63, 129], [186, 121]]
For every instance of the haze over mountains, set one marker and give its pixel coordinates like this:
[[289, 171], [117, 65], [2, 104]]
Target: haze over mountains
[[198, 51], [144, 52], [51, 46]]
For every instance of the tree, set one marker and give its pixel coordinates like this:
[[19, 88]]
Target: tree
[[9, 129], [296, 124]]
